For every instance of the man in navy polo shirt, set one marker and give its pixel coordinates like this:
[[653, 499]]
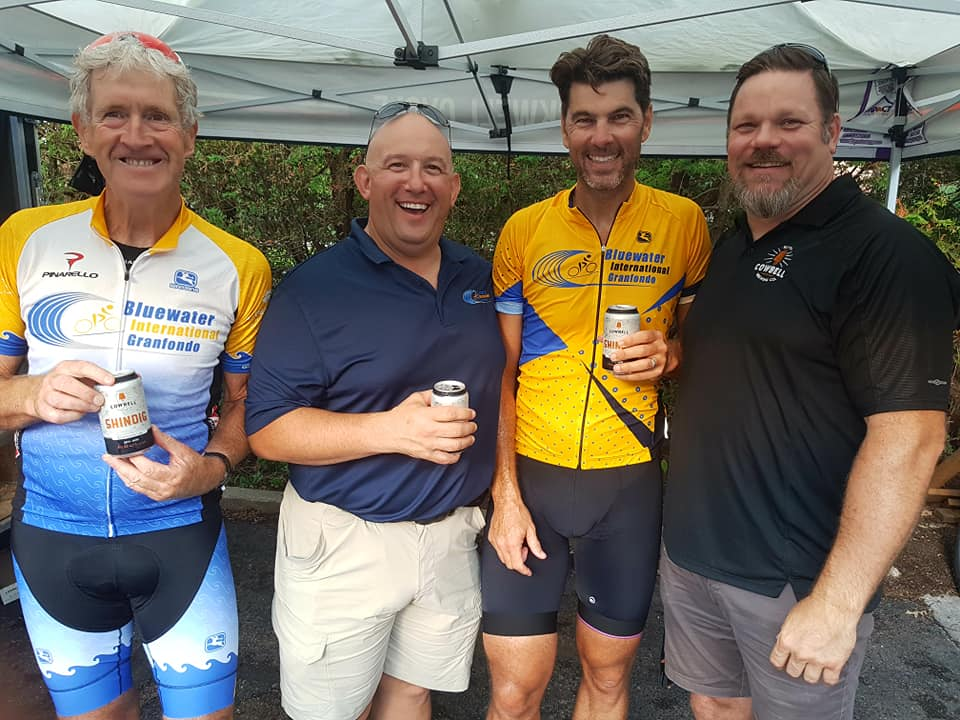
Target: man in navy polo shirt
[[811, 413], [377, 579]]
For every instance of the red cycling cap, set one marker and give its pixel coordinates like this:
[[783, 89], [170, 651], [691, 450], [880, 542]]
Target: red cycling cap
[[148, 41]]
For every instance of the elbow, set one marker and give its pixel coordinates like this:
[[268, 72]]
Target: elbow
[[261, 445], [929, 440]]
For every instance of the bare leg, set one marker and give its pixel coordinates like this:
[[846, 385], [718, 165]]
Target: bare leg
[[714, 708], [399, 700], [606, 663], [125, 707], [520, 668]]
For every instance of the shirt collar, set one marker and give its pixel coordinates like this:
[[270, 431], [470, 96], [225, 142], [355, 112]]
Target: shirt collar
[[167, 241], [638, 189], [449, 250], [817, 213]]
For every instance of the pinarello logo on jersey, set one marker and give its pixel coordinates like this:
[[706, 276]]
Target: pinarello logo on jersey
[[774, 266], [72, 259]]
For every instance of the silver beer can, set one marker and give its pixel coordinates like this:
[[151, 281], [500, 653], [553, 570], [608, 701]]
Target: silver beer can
[[450, 393], [618, 322], [124, 420]]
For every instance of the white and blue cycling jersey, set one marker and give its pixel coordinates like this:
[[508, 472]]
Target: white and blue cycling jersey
[[191, 302]]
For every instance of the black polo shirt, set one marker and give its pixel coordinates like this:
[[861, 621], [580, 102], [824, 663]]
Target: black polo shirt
[[840, 312]]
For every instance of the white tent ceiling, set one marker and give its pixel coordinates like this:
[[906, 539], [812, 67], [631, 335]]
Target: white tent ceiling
[[314, 71]]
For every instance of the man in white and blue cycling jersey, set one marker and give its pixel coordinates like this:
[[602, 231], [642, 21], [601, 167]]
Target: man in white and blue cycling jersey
[[129, 279]]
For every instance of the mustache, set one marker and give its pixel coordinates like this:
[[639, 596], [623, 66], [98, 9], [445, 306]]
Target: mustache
[[767, 156]]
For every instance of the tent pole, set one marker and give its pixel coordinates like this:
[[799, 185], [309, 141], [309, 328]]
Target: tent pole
[[19, 165], [893, 186], [898, 135]]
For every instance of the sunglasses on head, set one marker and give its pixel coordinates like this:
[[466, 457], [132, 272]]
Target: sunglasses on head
[[808, 50], [148, 41], [393, 109]]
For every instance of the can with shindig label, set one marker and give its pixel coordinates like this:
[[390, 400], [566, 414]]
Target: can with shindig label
[[618, 322], [452, 393], [124, 420]]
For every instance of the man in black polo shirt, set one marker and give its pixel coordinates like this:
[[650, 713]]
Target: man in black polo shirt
[[810, 417]]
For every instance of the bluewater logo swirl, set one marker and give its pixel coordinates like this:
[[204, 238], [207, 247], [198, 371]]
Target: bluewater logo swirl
[[46, 318], [566, 269]]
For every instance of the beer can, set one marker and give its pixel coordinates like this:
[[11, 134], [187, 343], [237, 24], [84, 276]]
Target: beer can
[[123, 418], [452, 393], [618, 322]]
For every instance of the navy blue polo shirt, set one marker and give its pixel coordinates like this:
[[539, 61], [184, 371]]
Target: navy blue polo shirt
[[351, 331], [841, 312]]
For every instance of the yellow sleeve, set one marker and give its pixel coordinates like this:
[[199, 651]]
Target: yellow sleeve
[[13, 236], [255, 286], [508, 267]]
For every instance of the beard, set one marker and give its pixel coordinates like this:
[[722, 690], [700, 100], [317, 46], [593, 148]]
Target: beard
[[603, 182], [609, 181], [763, 200]]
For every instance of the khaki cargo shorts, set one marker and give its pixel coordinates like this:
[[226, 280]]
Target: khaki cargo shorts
[[355, 599]]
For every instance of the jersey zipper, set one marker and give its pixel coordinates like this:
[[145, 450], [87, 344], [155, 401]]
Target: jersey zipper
[[111, 528], [596, 330]]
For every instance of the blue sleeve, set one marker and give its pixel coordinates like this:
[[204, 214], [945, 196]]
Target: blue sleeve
[[287, 372]]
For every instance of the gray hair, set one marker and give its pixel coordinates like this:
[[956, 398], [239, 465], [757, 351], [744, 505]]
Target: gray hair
[[126, 53]]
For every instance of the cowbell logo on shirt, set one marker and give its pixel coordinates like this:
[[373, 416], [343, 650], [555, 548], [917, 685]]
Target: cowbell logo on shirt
[[774, 266], [477, 297]]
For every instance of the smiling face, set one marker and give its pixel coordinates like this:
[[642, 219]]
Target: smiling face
[[603, 130], [409, 182], [136, 135], [779, 149]]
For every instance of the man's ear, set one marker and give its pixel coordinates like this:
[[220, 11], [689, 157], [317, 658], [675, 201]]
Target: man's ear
[[647, 123], [455, 189], [834, 128], [361, 178], [563, 133], [80, 129], [191, 134]]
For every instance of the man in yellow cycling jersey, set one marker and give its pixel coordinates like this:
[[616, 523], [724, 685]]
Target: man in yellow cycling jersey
[[578, 444]]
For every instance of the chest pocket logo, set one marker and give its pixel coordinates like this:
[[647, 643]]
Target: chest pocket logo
[[185, 280], [774, 266]]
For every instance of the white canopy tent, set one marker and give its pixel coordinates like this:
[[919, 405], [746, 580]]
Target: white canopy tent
[[309, 71]]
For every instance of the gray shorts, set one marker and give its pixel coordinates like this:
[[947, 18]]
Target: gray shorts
[[718, 643]]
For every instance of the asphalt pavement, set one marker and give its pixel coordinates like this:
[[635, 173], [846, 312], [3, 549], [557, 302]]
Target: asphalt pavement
[[912, 670]]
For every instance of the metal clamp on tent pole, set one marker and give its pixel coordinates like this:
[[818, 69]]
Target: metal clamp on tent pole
[[502, 82], [426, 56], [898, 134]]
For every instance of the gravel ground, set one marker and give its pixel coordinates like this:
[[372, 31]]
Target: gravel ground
[[912, 670]]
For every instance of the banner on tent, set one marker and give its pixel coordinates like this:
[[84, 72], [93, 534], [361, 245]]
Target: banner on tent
[[877, 114]]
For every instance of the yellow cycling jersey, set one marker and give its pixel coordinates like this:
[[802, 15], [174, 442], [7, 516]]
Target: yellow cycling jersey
[[550, 267]]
